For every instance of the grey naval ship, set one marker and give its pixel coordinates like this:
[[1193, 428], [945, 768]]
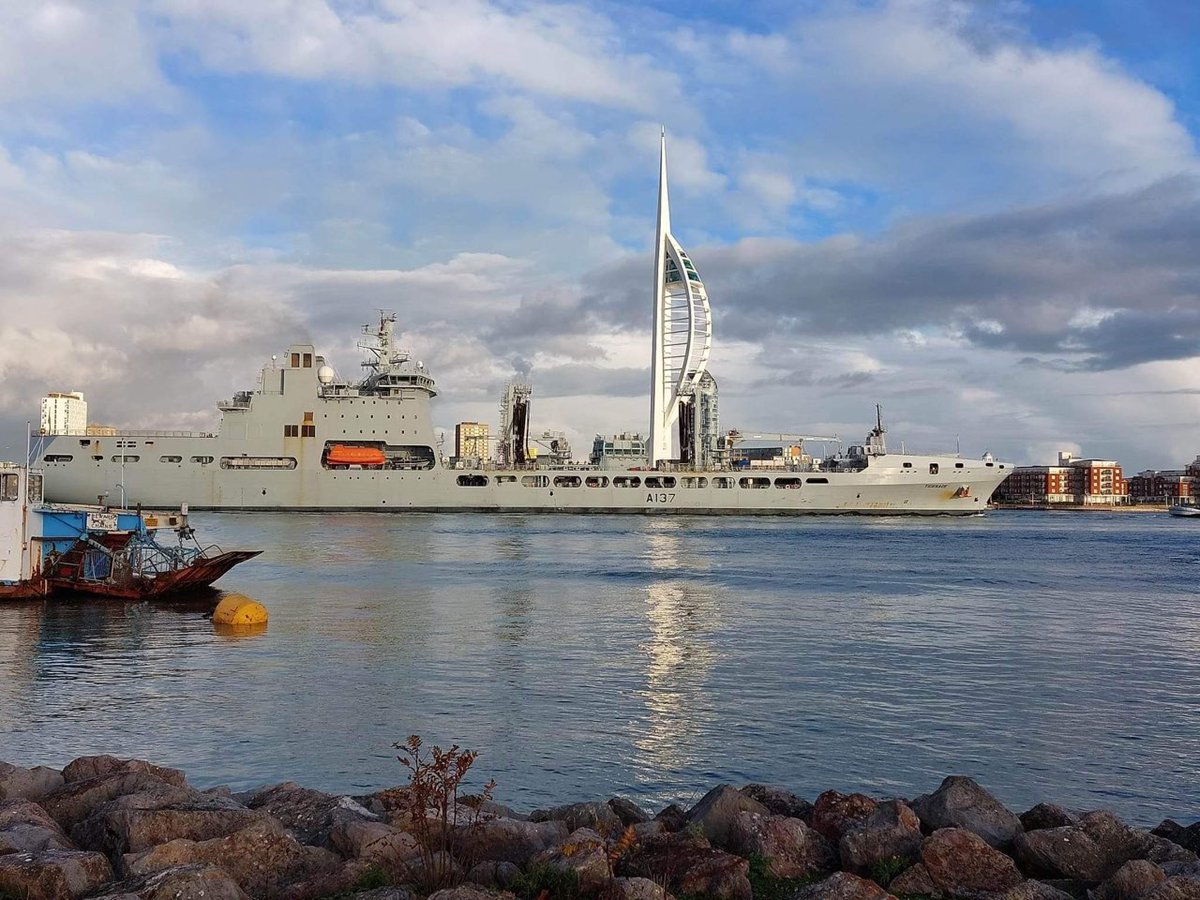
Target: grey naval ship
[[306, 438]]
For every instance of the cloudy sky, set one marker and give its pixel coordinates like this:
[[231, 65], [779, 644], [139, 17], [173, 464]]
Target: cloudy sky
[[983, 215]]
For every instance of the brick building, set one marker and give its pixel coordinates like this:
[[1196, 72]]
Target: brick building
[[1082, 481]]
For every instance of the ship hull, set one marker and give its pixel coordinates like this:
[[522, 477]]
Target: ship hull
[[885, 487]]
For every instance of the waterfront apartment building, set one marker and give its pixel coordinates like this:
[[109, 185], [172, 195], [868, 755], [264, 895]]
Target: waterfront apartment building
[[471, 441], [1169, 486], [64, 413], [1076, 481]]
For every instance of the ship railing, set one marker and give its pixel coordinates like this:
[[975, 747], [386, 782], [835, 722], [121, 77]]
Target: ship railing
[[235, 403], [142, 433]]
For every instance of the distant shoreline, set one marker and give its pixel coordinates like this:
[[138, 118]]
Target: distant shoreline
[[1079, 507]]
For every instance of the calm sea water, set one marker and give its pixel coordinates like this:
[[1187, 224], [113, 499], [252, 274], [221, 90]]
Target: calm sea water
[[1051, 656]]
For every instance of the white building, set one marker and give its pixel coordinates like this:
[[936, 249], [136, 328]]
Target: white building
[[64, 413]]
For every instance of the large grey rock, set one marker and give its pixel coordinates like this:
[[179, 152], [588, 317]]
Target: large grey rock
[[186, 883], [960, 802], [914, 881], [716, 811], [1177, 887], [1130, 882], [136, 822], [1035, 890], [357, 838], [584, 855], [510, 840], [835, 813], [689, 866], [627, 811], [26, 827], [1047, 815], [73, 802], [963, 864], [17, 783], [842, 886], [890, 832], [1187, 836], [493, 873], [53, 874], [465, 892], [633, 889], [307, 814], [778, 801], [1117, 841], [87, 767], [791, 848], [262, 858], [1067, 852], [597, 815]]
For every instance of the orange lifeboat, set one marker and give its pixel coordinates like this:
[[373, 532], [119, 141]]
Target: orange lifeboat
[[343, 455]]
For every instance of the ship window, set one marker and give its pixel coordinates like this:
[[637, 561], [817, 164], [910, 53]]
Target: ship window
[[9, 486], [567, 481], [170, 459], [291, 431], [536, 481], [308, 360], [958, 465], [690, 481], [310, 431], [630, 481], [35, 487], [258, 462], [933, 468], [597, 481], [654, 481], [472, 481], [98, 458], [295, 360], [722, 482], [58, 457], [86, 443], [816, 481], [791, 483], [129, 457], [203, 460], [754, 483], [506, 479], [991, 464], [908, 465]]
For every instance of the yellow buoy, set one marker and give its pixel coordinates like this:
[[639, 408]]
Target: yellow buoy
[[239, 610]]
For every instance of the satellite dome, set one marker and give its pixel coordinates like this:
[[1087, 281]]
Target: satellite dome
[[325, 375]]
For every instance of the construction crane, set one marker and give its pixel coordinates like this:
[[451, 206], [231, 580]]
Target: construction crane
[[740, 437]]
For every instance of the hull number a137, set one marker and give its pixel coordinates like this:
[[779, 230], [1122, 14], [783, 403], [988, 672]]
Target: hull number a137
[[660, 497]]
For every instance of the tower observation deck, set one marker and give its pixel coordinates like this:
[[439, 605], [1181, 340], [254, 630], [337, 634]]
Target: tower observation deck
[[682, 332]]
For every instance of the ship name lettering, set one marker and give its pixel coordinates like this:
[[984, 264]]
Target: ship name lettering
[[660, 497]]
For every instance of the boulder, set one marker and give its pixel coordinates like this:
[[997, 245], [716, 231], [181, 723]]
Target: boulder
[[465, 892], [1035, 890], [1117, 841], [633, 889], [643, 830], [791, 848], [689, 866], [137, 822], [17, 783], [583, 854], [834, 814], [778, 801], [963, 864], [75, 801], [261, 858], [1177, 887], [628, 812], [339, 882], [507, 840], [1130, 882], [673, 817], [914, 881], [599, 816], [1047, 815], [960, 802], [307, 814], [436, 869], [390, 892], [714, 814], [53, 874], [1187, 837], [187, 883], [88, 767], [843, 886], [357, 838], [494, 874], [1162, 851], [25, 827], [1067, 852], [891, 831]]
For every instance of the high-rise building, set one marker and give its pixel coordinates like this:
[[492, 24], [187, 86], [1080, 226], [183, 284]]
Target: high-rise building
[[64, 413], [471, 440], [682, 335]]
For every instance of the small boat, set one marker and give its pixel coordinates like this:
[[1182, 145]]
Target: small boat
[[346, 455], [46, 548], [1185, 510]]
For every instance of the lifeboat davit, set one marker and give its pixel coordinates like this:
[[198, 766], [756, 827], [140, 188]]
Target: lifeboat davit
[[343, 455]]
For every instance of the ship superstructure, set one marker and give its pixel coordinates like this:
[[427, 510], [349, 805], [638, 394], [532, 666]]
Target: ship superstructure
[[306, 438]]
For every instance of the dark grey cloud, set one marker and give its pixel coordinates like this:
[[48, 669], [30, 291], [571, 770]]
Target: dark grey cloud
[[1101, 283]]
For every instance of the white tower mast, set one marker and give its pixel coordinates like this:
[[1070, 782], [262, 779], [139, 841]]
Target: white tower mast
[[682, 328]]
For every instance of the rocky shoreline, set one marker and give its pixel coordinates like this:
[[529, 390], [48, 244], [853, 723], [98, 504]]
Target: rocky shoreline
[[131, 830]]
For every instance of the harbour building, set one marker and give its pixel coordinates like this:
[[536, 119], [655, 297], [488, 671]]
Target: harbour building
[[64, 413], [471, 441], [1084, 482]]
